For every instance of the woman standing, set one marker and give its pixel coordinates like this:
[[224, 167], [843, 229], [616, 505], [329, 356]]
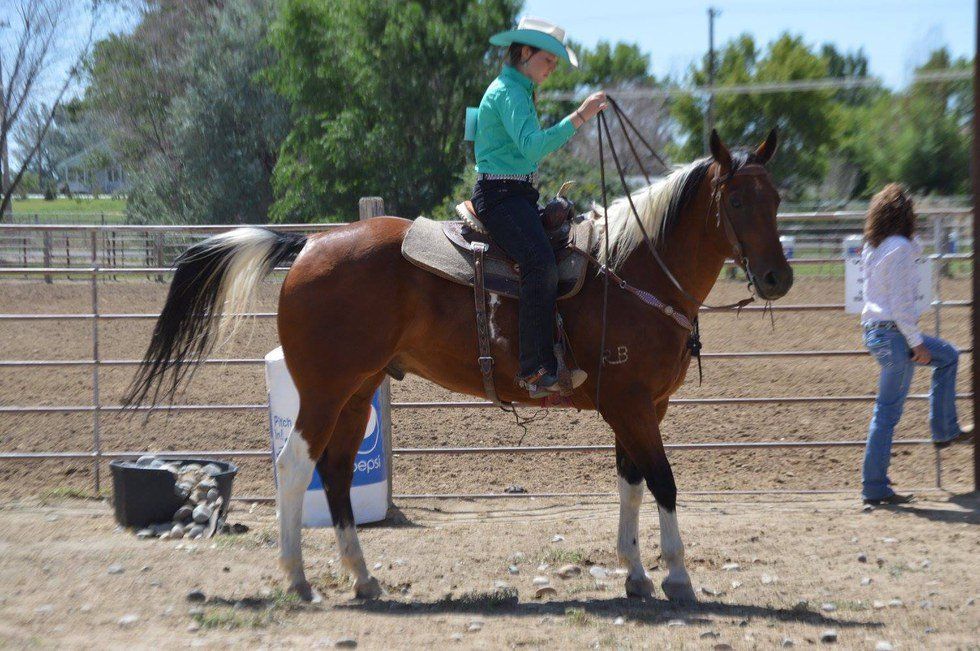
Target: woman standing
[[509, 144], [892, 335]]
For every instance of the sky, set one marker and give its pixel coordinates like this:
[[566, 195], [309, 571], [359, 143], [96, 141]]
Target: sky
[[895, 34]]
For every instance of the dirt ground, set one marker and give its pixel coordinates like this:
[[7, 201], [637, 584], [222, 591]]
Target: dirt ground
[[446, 567], [441, 559]]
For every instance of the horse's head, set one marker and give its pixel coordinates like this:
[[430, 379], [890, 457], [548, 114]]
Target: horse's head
[[747, 202]]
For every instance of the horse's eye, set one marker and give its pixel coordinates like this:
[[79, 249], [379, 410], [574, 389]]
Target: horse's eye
[[736, 202]]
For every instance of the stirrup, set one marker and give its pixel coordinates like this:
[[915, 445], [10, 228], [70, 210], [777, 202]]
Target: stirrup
[[540, 384]]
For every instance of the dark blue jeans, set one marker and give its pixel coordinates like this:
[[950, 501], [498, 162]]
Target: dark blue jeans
[[509, 209]]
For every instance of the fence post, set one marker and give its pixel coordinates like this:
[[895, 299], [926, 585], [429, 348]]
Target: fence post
[[369, 207], [96, 404], [939, 248], [46, 237], [158, 245]]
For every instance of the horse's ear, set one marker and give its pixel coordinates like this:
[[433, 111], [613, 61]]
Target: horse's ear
[[768, 147], [720, 152]]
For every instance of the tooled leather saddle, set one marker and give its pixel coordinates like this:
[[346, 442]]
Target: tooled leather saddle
[[462, 251], [446, 248]]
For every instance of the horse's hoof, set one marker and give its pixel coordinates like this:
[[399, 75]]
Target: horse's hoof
[[681, 592], [305, 592], [370, 589], [641, 588]]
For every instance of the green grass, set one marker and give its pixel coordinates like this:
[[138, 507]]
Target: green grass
[[564, 556], [499, 598], [578, 617], [67, 492], [226, 616], [92, 210], [255, 539]]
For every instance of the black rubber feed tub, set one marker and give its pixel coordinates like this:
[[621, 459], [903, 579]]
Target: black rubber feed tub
[[142, 496]]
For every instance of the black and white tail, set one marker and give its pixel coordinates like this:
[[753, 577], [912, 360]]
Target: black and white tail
[[213, 286]]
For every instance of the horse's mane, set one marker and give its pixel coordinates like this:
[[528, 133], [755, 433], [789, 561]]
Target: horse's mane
[[659, 207]]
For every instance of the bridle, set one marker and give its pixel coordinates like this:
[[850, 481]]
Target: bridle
[[718, 187], [719, 193]]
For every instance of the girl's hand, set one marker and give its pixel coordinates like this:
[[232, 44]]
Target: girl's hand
[[920, 354], [592, 105]]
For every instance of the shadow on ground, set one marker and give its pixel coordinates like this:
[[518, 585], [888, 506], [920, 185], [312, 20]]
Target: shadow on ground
[[970, 502], [647, 611]]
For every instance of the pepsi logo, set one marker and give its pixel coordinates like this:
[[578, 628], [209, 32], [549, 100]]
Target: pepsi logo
[[372, 435]]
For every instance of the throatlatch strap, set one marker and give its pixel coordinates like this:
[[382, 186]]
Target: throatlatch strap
[[482, 323]]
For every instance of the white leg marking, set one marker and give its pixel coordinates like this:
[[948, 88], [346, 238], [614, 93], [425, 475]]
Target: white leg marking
[[628, 544], [495, 335], [365, 585], [350, 552], [638, 584], [294, 467], [677, 585]]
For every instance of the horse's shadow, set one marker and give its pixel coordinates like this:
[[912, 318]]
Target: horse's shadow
[[647, 611]]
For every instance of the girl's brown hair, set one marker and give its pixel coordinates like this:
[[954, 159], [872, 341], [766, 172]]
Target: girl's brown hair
[[514, 52], [890, 213]]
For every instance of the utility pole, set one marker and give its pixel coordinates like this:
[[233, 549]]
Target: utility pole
[[975, 325], [4, 160], [709, 113]]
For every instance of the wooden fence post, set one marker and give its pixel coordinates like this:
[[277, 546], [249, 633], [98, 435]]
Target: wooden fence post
[[158, 245], [47, 254], [369, 207]]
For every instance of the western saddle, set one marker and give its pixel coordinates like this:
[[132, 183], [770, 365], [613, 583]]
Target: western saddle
[[463, 252]]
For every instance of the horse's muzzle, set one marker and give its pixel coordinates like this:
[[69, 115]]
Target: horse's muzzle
[[774, 283]]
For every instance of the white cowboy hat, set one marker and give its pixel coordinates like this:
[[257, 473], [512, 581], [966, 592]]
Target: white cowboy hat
[[538, 33]]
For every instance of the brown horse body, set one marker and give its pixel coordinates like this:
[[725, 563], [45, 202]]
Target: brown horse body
[[423, 324]]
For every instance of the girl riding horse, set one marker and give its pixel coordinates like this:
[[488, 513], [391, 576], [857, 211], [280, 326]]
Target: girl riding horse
[[509, 144]]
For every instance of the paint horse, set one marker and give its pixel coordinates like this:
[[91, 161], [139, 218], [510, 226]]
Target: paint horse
[[424, 324]]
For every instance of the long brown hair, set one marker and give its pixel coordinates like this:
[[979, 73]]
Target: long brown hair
[[891, 213]]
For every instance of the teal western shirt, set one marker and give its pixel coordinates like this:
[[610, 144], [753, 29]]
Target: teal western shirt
[[509, 138]]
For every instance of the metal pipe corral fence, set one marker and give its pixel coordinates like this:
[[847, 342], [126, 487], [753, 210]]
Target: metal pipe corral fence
[[115, 251]]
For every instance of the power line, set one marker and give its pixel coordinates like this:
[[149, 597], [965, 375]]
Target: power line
[[828, 83]]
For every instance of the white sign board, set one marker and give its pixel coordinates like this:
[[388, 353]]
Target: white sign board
[[854, 285]]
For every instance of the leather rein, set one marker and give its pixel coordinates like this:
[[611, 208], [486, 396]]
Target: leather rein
[[719, 186]]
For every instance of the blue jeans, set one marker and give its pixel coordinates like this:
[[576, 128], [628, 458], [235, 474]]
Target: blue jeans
[[509, 210], [891, 350]]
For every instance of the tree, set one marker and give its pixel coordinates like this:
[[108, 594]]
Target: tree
[[200, 138], [623, 71], [69, 137], [919, 137], [805, 119], [41, 29], [378, 91], [133, 82]]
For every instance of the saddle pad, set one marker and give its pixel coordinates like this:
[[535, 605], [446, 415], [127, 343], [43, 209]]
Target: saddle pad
[[426, 246]]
